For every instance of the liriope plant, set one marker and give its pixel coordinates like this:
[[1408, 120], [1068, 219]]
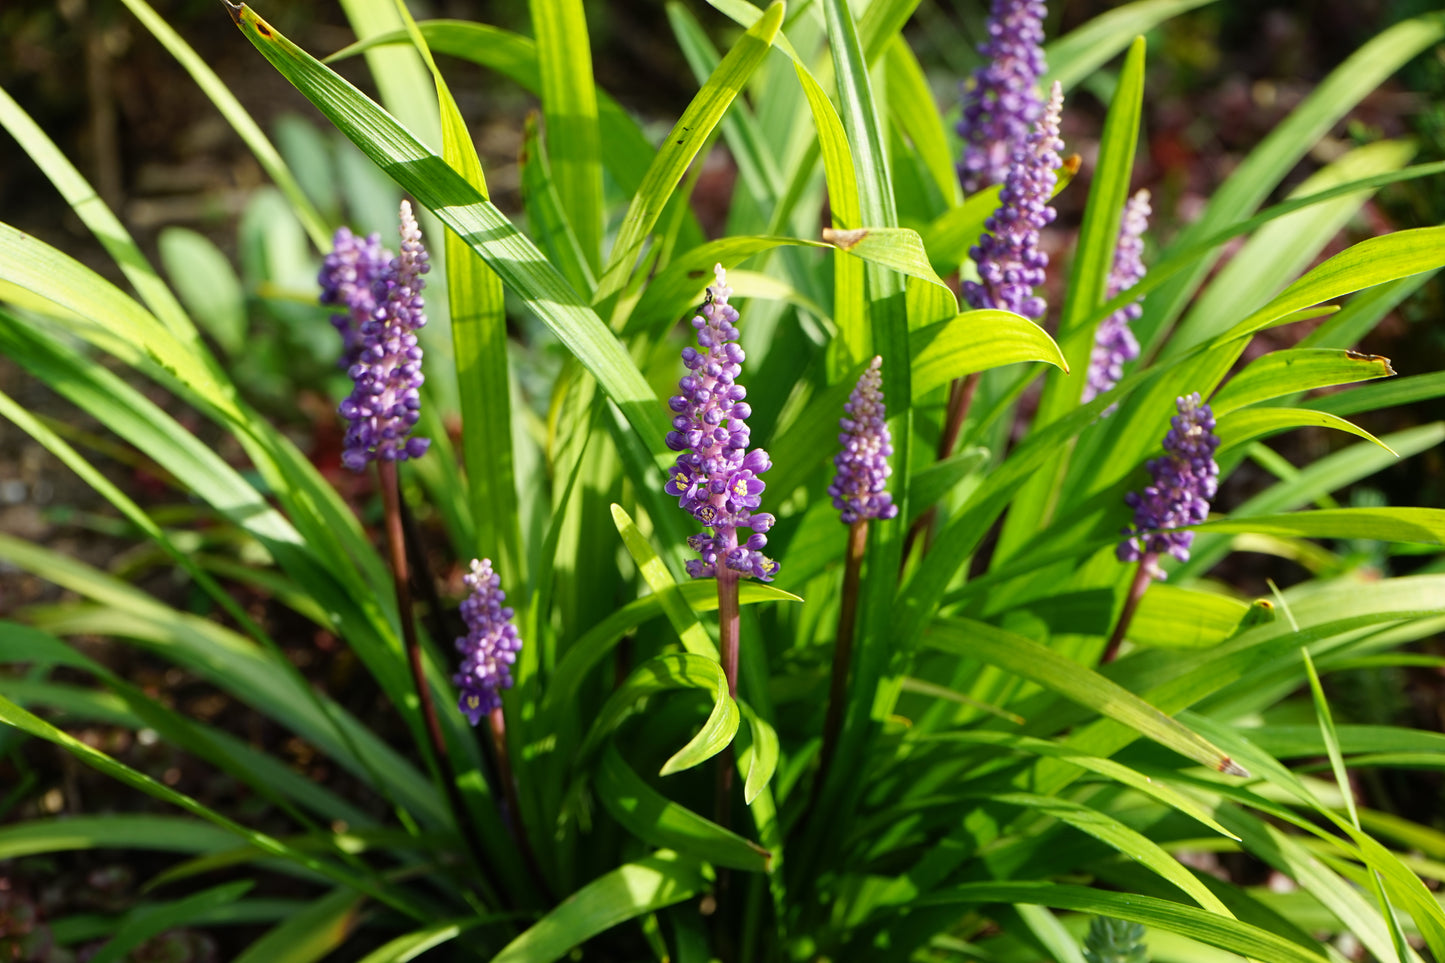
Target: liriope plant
[[945, 716]]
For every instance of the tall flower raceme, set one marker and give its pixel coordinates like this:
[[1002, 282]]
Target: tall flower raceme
[[1114, 342], [488, 651], [490, 646], [716, 478], [1001, 101], [1184, 481], [1182, 484], [1010, 263], [860, 493], [382, 348], [859, 490]]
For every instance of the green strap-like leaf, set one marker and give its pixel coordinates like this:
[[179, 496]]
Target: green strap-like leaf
[[1041, 665], [39, 728], [1250, 424], [682, 144], [1197, 924], [1422, 525], [103, 223], [626, 152], [759, 760], [896, 248], [479, 337], [414, 944], [460, 207], [910, 100], [1281, 373], [569, 108], [678, 670], [664, 587], [977, 341], [662, 879], [1280, 250], [1085, 49], [1171, 617], [308, 935], [1087, 287], [142, 923], [654, 818], [545, 216]]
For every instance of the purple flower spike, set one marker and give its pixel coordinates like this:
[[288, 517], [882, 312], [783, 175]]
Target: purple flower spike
[[716, 477], [490, 646], [1010, 264], [860, 489], [1002, 100], [386, 360], [1114, 343], [1185, 479], [347, 275]]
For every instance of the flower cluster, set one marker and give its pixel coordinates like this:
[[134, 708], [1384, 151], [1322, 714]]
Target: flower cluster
[[1010, 264], [1114, 343], [860, 488], [348, 278], [490, 646], [1002, 99], [716, 477], [379, 346], [1184, 481]]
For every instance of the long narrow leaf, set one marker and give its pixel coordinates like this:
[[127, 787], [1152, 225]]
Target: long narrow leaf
[[460, 207]]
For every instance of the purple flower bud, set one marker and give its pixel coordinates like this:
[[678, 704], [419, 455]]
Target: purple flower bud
[[716, 477], [380, 352], [490, 646], [1010, 264], [860, 489], [1114, 343], [1002, 100], [1184, 481]]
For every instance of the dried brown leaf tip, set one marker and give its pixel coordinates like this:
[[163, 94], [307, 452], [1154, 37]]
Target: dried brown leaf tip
[[846, 240], [1231, 768], [1371, 359]]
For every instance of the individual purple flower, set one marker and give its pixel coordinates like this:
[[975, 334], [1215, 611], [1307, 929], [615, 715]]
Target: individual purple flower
[[1114, 343], [1184, 481], [490, 646], [860, 489], [716, 477], [1010, 263], [347, 277], [1002, 101], [386, 359]]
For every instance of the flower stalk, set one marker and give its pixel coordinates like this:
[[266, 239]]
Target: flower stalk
[[1182, 484], [439, 759], [860, 493], [716, 480]]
